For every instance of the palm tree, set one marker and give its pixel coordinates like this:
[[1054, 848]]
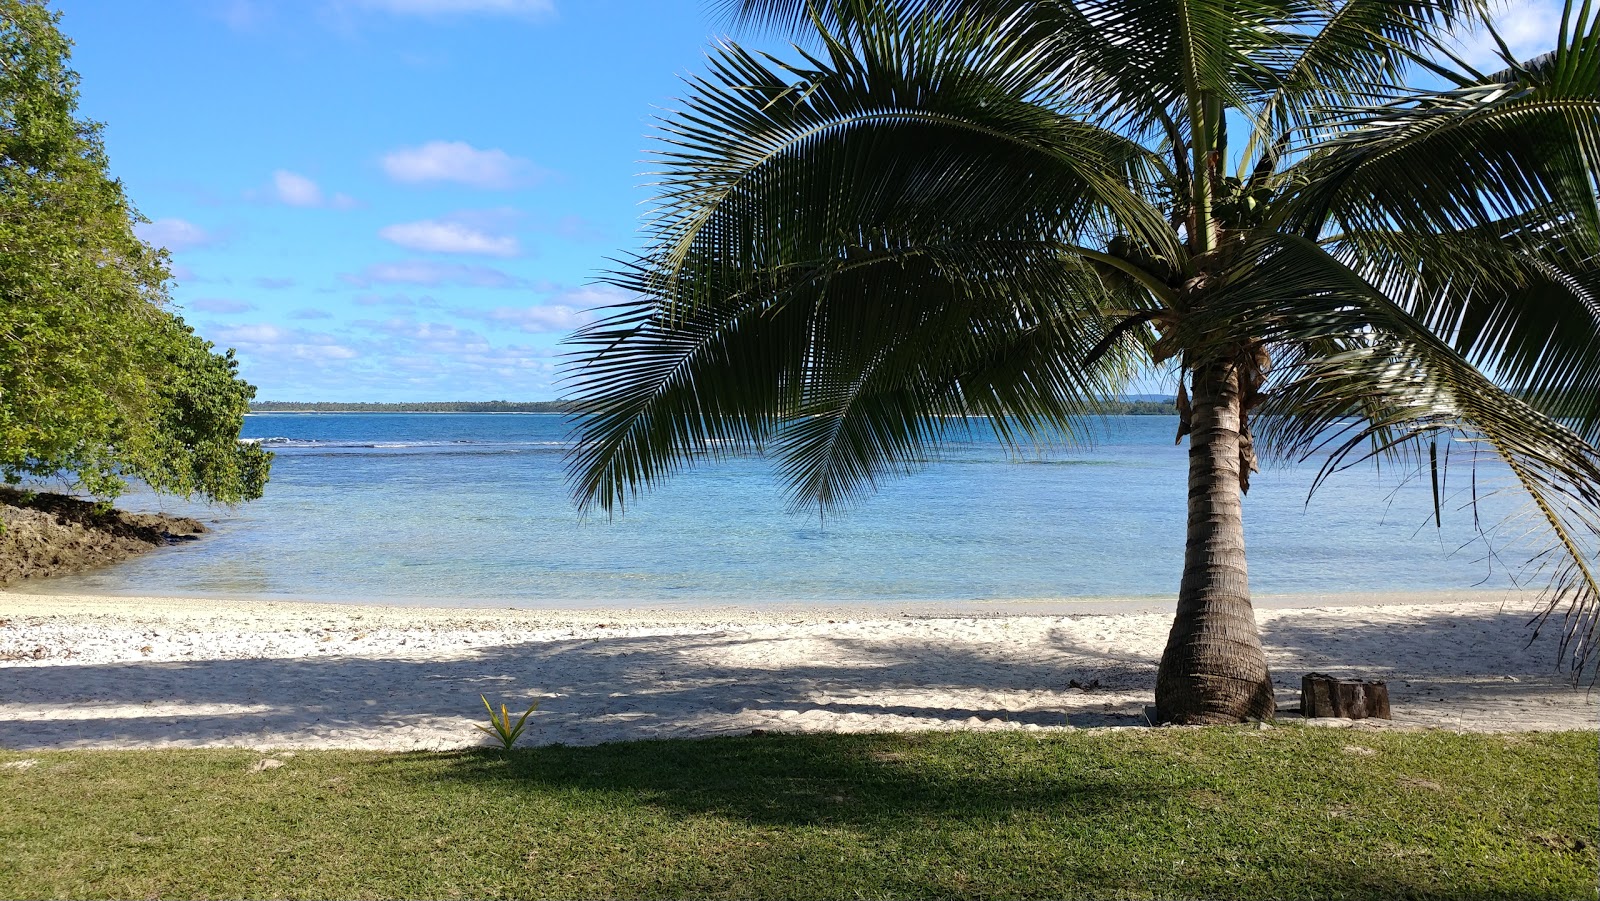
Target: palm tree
[[1010, 208]]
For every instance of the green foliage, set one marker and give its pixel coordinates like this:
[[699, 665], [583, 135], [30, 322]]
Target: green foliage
[[500, 725], [1290, 813], [98, 379], [194, 447]]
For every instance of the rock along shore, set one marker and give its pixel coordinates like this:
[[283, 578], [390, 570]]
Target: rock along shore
[[44, 534]]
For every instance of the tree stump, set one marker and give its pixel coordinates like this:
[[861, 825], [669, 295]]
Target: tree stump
[[1350, 699]]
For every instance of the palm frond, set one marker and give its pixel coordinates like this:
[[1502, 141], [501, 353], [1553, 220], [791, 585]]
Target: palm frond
[[1352, 53], [1467, 158], [1520, 300], [904, 353], [908, 124], [1342, 348], [848, 368], [1133, 62]]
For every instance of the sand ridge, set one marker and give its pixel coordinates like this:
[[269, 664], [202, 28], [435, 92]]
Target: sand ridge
[[165, 672]]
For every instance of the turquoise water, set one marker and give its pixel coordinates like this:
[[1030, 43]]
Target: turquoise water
[[422, 508]]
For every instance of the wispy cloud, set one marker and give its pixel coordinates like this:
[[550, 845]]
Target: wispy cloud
[[437, 351], [537, 319], [432, 337], [273, 284], [222, 305], [565, 311], [175, 234], [399, 357], [460, 163], [310, 314], [1529, 28], [519, 8], [445, 236], [430, 274], [240, 15], [294, 189], [396, 300], [577, 228], [263, 340]]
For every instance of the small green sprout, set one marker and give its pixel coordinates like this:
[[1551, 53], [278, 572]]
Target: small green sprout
[[500, 725]]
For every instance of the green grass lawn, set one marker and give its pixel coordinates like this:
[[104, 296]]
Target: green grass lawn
[[1292, 812]]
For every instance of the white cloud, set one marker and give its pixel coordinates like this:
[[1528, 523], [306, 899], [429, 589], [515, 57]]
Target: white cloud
[[272, 283], [589, 297], [432, 274], [397, 357], [263, 340], [439, 236], [396, 300], [296, 190], [434, 350], [1529, 28], [310, 314], [535, 319], [220, 305], [175, 234], [254, 333], [461, 163], [432, 337], [524, 8], [564, 312]]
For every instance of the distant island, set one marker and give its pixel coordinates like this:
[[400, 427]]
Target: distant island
[[1143, 406]]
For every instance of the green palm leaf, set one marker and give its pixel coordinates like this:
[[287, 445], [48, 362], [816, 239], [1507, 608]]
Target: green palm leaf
[[906, 132], [1467, 158], [1520, 299], [1341, 54]]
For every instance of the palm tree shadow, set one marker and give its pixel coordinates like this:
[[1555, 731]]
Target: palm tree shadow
[[869, 781], [1483, 671], [660, 686], [1489, 643]]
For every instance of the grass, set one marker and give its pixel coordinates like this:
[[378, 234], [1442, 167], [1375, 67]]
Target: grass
[[1293, 812]]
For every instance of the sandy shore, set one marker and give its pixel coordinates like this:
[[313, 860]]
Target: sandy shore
[[84, 672]]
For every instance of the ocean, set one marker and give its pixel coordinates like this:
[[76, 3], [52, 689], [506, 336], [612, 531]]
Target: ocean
[[474, 509]]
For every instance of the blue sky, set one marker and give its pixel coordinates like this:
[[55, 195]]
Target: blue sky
[[399, 199]]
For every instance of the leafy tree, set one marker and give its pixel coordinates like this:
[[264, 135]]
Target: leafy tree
[[1007, 208], [98, 379]]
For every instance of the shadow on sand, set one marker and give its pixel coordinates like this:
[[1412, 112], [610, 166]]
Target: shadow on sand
[[622, 688]]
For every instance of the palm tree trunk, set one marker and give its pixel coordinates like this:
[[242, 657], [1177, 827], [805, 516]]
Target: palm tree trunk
[[1213, 670]]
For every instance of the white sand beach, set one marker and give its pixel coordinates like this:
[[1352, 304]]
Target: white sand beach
[[101, 672]]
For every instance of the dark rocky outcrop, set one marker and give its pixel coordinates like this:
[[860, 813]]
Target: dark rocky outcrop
[[44, 534]]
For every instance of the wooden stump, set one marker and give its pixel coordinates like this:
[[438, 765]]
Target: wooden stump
[[1349, 699]]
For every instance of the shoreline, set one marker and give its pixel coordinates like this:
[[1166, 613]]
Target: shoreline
[[37, 595], [105, 672]]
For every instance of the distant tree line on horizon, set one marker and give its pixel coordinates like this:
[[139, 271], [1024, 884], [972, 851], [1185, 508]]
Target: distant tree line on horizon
[[1164, 407]]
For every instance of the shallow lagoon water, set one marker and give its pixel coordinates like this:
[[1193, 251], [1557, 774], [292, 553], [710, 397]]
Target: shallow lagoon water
[[473, 508]]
